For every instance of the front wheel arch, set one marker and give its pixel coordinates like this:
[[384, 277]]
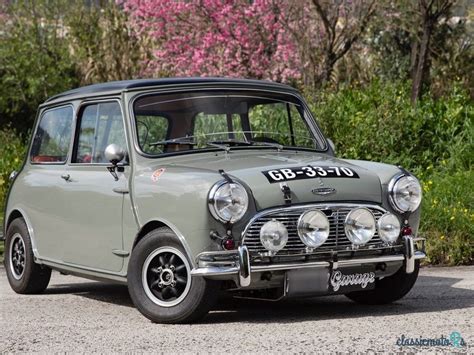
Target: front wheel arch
[[156, 224]]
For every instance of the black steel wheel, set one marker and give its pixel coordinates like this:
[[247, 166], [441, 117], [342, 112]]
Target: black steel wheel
[[160, 282], [24, 275], [166, 276]]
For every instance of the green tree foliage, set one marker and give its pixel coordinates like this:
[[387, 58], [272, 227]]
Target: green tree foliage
[[104, 46], [49, 46], [35, 60]]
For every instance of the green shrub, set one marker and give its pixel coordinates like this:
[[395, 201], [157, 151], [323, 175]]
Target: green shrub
[[448, 217], [12, 151], [434, 140], [378, 123]]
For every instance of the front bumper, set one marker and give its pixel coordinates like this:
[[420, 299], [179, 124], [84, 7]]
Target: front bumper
[[237, 262]]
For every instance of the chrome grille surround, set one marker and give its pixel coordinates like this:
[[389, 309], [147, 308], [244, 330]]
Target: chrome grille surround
[[337, 240]]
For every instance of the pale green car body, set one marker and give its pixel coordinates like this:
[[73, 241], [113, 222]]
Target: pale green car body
[[89, 224]]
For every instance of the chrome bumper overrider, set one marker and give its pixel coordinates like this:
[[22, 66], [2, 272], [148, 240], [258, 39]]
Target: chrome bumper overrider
[[237, 263]]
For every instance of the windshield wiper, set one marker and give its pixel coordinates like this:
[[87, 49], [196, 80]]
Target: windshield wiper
[[179, 141], [226, 144], [220, 146], [267, 144]]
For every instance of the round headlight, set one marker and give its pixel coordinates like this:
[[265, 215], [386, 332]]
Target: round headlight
[[389, 228], [360, 226], [405, 193], [313, 228], [228, 202], [273, 235]]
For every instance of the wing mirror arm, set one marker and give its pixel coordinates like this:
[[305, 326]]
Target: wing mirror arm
[[115, 154]]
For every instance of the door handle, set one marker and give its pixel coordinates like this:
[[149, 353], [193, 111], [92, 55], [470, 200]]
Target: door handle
[[66, 177]]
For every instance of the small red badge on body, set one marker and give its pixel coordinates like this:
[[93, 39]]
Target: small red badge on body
[[156, 174]]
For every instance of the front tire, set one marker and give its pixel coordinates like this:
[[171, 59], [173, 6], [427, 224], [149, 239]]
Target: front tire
[[389, 289], [160, 282], [24, 275]]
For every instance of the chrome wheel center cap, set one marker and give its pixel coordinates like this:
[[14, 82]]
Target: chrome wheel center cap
[[167, 277]]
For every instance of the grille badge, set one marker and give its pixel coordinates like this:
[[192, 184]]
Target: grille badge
[[324, 191]]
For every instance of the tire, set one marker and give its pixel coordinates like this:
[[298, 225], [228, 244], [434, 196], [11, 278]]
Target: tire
[[389, 289], [160, 284], [24, 275]]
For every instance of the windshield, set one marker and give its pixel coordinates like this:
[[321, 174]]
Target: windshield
[[221, 119]]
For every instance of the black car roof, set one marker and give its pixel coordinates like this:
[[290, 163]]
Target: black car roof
[[118, 86]]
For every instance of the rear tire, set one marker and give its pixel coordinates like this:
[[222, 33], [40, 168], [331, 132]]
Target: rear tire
[[389, 289], [160, 282], [24, 275]]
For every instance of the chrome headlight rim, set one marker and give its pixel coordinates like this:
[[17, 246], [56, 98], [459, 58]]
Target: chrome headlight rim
[[211, 201], [301, 233], [379, 228], [391, 193], [346, 225]]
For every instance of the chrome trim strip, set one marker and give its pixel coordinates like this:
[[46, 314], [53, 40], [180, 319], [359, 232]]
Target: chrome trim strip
[[234, 270]]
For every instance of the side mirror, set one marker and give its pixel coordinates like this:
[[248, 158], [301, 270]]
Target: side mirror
[[332, 145], [114, 153]]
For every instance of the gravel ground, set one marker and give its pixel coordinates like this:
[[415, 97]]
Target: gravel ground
[[76, 315]]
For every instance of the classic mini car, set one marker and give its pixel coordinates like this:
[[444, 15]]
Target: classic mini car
[[188, 188]]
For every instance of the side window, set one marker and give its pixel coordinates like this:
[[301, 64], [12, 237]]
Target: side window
[[217, 126], [53, 136], [99, 125]]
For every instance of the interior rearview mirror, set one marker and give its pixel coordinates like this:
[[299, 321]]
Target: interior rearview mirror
[[114, 153]]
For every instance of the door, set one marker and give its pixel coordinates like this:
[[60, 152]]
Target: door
[[41, 183], [95, 197]]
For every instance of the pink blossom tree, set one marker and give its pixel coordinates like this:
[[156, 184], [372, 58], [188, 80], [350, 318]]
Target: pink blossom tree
[[217, 38], [279, 40]]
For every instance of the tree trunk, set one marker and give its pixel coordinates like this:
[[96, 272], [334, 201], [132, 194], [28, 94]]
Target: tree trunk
[[420, 77]]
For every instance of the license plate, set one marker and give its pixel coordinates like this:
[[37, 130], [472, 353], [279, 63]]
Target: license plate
[[346, 280]]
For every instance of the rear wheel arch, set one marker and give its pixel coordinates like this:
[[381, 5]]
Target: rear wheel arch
[[19, 213], [13, 215]]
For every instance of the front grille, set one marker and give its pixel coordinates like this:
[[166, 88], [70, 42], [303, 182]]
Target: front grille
[[336, 241]]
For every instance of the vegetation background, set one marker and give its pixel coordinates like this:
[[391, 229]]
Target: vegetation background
[[388, 80]]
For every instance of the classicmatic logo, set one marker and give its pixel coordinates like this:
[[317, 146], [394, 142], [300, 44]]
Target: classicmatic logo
[[453, 340]]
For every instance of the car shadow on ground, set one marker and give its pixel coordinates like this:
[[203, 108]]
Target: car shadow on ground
[[430, 294]]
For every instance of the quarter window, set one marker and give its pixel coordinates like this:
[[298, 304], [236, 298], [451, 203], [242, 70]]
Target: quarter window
[[99, 125], [53, 136]]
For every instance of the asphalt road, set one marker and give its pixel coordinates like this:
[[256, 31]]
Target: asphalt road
[[77, 315]]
